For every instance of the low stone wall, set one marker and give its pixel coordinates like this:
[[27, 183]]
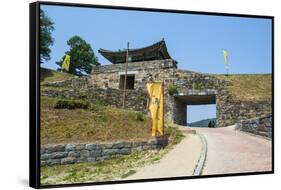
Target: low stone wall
[[259, 126], [76, 153]]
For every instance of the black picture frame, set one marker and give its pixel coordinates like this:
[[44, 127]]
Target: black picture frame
[[34, 92]]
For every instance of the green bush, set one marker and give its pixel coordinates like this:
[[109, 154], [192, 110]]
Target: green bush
[[172, 89], [71, 104], [139, 116]]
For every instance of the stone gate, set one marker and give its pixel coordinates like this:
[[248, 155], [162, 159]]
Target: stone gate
[[152, 64]]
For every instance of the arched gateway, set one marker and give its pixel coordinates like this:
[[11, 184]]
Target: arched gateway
[[191, 97]]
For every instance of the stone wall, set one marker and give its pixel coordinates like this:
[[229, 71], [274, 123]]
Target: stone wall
[[231, 111], [102, 86], [259, 126], [179, 112], [75, 83], [76, 153], [108, 76], [135, 100]]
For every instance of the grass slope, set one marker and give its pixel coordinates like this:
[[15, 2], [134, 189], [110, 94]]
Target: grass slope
[[249, 87], [48, 75], [98, 123]]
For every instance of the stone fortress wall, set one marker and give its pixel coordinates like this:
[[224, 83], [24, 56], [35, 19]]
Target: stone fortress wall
[[102, 86], [229, 111]]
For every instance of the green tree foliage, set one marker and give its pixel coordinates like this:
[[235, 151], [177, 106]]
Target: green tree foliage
[[46, 40], [82, 57]]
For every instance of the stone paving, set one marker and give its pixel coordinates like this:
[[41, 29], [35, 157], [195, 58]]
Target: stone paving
[[180, 161], [231, 151]]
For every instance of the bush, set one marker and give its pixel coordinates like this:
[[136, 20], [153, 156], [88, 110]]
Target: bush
[[172, 89], [71, 104], [139, 117]]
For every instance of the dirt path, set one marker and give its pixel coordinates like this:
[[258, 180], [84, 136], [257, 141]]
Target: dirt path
[[180, 161], [231, 151]]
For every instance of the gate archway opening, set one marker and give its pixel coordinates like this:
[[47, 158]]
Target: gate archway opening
[[181, 103], [201, 115]]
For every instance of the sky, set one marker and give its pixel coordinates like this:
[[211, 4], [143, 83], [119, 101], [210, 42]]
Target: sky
[[194, 41], [199, 112]]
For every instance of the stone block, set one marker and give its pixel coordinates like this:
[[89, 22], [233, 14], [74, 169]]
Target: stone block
[[118, 145], [74, 154], [53, 155], [70, 147], [51, 162], [106, 146], [124, 151], [54, 148], [42, 150], [95, 153], [127, 144], [79, 146], [85, 153], [90, 146], [68, 160], [109, 151]]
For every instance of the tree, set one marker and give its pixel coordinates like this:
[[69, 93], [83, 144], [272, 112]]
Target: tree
[[82, 56], [46, 40]]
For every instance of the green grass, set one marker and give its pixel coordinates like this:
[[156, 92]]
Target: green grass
[[48, 75], [249, 87], [108, 170], [94, 124]]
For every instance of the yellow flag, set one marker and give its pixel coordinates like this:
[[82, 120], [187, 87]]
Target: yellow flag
[[225, 55], [156, 107], [66, 63]]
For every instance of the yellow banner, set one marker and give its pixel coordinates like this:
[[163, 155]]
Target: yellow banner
[[225, 55], [66, 63], [156, 107]]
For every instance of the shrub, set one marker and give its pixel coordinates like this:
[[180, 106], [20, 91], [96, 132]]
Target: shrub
[[172, 89], [71, 104], [139, 116]]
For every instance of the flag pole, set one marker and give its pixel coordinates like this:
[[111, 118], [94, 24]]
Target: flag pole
[[125, 80], [163, 86], [227, 70]]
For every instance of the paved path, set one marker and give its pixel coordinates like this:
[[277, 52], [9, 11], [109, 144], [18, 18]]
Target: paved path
[[180, 161], [231, 151]]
